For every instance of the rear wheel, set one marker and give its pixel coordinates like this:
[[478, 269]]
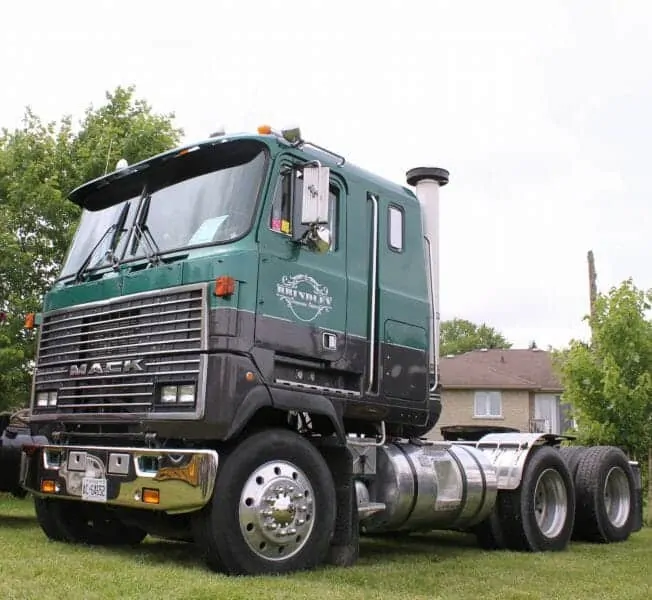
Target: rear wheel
[[489, 533], [273, 507], [572, 455], [605, 495], [539, 515]]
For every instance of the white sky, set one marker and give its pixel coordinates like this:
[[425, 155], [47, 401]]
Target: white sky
[[541, 111]]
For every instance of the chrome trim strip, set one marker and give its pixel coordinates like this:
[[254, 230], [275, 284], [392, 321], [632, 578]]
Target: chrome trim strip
[[373, 284], [50, 340], [317, 388], [158, 292], [98, 377]]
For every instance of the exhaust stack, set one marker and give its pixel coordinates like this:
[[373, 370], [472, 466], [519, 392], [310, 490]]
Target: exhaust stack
[[427, 181]]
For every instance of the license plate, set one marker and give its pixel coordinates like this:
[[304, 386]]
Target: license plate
[[94, 489]]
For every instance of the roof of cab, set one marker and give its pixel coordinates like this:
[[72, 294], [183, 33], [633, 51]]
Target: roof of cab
[[82, 194]]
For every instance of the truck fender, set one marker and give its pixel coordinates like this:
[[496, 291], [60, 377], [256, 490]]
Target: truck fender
[[314, 404], [509, 452], [261, 397]]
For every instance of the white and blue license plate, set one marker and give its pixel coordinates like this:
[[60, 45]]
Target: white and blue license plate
[[94, 489]]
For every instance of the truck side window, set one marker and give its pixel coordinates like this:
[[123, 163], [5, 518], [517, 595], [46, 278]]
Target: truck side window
[[395, 228], [281, 214]]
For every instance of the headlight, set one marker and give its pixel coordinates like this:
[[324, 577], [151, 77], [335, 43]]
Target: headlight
[[186, 393], [183, 393], [168, 394], [48, 398]]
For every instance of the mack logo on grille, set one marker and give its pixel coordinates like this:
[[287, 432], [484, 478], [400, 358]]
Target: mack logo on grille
[[106, 368]]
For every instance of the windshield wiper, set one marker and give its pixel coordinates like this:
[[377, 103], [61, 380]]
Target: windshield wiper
[[142, 232], [117, 229]]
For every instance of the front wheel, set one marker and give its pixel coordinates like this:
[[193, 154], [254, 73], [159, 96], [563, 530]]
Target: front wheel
[[83, 523], [273, 507]]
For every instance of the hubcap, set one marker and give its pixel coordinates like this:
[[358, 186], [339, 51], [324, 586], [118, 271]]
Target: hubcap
[[616, 496], [276, 510], [550, 503]]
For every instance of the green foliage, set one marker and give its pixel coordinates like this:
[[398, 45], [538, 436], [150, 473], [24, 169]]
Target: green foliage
[[609, 381], [40, 163], [459, 335]]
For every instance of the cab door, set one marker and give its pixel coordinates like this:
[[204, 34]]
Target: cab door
[[301, 311]]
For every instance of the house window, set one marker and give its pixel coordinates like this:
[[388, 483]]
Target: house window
[[488, 405], [289, 190]]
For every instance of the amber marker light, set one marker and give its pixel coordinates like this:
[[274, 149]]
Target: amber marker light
[[48, 486], [264, 129], [224, 286], [151, 496]]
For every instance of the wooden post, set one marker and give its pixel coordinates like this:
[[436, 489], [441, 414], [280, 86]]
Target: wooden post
[[593, 289]]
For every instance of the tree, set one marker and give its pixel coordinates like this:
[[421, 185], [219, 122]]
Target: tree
[[40, 163], [459, 335], [608, 382]]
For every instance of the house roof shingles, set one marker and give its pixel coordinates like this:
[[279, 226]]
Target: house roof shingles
[[500, 369]]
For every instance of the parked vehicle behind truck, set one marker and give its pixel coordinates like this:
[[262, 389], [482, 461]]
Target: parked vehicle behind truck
[[241, 350]]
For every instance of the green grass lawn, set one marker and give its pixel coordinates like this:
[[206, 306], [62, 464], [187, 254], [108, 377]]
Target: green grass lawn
[[435, 566]]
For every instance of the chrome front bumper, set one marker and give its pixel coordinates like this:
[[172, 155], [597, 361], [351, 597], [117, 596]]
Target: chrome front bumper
[[168, 480]]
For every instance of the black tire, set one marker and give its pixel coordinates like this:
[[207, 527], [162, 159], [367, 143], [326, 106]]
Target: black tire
[[84, 523], [489, 533], [269, 469], [605, 495], [47, 519], [572, 455], [546, 490]]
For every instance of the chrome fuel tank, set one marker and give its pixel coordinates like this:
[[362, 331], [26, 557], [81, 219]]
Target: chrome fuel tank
[[431, 486]]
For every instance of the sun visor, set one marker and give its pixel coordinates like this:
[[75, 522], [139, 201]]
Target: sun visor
[[163, 170]]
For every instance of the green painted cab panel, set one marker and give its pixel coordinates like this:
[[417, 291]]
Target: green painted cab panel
[[406, 334]]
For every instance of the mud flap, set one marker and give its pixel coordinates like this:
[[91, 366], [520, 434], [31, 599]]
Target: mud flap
[[345, 544]]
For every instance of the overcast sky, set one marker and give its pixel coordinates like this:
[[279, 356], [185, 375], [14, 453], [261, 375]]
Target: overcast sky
[[541, 111]]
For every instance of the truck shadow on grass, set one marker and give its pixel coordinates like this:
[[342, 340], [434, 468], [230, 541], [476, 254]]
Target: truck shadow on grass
[[17, 522], [439, 546]]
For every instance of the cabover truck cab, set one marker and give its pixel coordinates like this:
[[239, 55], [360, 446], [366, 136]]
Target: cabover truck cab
[[241, 350]]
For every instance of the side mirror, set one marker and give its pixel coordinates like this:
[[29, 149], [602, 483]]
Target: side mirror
[[314, 202], [319, 238]]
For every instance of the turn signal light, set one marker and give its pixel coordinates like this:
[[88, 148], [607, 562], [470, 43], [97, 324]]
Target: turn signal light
[[151, 496], [29, 320], [264, 129], [48, 486], [224, 286]]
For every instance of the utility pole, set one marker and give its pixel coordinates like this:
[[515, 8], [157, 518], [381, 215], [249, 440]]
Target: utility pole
[[593, 289]]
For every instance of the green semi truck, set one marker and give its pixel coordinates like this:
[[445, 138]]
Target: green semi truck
[[241, 351]]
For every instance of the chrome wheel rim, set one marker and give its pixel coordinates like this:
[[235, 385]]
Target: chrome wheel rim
[[276, 510], [550, 503], [616, 496]]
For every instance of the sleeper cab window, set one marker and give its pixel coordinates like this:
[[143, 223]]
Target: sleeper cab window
[[395, 228]]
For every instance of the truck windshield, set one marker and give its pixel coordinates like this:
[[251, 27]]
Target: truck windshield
[[204, 196]]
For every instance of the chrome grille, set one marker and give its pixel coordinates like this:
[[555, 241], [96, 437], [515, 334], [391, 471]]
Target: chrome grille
[[87, 353]]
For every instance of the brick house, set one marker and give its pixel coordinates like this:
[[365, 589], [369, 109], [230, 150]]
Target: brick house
[[508, 388]]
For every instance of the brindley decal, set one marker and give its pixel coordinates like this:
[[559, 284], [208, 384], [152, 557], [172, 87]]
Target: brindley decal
[[304, 296]]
